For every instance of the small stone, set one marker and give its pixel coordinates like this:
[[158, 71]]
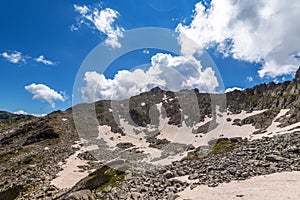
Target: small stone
[[192, 186], [213, 184], [274, 158], [169, 174], [135, 195], [245, 174], [107, 189], [193, 176], [81, 194]]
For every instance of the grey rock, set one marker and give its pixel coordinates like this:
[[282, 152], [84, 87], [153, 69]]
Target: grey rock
[[274, 158], [169, 174], [81, 195], [135, 195]]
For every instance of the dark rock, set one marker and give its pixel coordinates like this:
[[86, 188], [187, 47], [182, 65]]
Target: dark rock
[[274, 158], [169, 174], [297, 75], [124, 145]]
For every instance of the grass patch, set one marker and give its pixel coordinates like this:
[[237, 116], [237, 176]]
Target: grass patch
[[114, 181], [46, 133], [223, 146], [12, 192], [251, 99], [288, 94], [105, 176], [219, 146], [7, 156], [198, 153]]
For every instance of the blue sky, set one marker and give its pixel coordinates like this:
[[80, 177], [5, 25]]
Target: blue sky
[[43, 44]]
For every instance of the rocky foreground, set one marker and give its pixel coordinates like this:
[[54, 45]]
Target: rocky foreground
[[228, 160]]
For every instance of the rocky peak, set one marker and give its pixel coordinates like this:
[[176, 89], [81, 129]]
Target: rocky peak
[[297, 76]]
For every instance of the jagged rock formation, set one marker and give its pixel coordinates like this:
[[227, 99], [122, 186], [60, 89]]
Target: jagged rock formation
[[271, 96]]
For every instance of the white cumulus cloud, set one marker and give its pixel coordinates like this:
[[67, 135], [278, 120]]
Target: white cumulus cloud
[[17, 57], [45, 93], [22, 112], [83, 10], [233, 89], [103, 20], [42, 59], [260, 31], [14, 57], [166, 71]]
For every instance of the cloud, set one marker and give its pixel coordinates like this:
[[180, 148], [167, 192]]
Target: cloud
[[22, 112], [259, 31], [249, 78], [14, 57], [42, 59], [103, 21], [166, 71], [146, 51], [297, 55], [17, 57], [233, 89], [83, 10], [44, 93]]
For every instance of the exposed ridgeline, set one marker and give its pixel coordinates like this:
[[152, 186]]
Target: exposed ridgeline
[[192, 107], [273, 97]]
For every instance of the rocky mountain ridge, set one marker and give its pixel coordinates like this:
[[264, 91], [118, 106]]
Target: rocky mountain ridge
[[31, 148]]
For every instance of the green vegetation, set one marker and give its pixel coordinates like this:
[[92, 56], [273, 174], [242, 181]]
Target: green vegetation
[[45, 134], [193, 155], [251, 99], [288, 94], [269, 112], [99, 110], [114, 181], [12, 154], [223, 146], [5, 157], [105, 176], [12, 192], [220, 147]]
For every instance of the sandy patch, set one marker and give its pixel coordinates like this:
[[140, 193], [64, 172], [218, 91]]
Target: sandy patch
[[242, 115], [112, 139], [274, 126], [277, 186], [71, 173]]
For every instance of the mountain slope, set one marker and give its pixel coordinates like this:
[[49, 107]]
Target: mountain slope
[[156, 126]]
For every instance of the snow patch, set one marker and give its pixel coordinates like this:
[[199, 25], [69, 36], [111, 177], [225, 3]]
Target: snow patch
[[71, 173], [276, 186]]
